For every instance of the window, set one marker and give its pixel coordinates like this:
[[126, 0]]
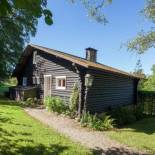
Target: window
[[24, 81], [36, 80], [60, 82]]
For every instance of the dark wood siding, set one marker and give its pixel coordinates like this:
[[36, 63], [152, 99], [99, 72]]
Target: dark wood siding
[[110, 90], [27, 71], [48, 64]]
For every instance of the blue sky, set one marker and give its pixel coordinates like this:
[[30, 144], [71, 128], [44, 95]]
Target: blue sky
[[73, 31]]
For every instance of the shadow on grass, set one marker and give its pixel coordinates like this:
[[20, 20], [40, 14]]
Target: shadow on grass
[[146, 125], [8, 147], [11, 146], [11, 143], [114, 151]]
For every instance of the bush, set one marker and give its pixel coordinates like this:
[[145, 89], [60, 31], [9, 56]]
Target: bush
[[95, 122], [128, 114], [30, 102], [55, 104], [107, 122], [139, 112]]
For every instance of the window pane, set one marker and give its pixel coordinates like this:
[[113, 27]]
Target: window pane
[[59, 82], [24, 81], [63, 83]]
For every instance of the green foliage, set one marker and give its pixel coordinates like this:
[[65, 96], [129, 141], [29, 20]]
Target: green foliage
[[139, 111], [95, 9], [20, 134], [142, 42], [98, 123], [146, 99], [148, 83], [145, 40], [127, 114], [139, 135], [74, 99], [30, 102], [108, 122], [9, 82], [55, 104], [149, 10], [18, 21]]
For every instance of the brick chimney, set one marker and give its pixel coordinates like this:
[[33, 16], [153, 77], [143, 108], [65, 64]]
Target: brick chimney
[[91, 54]]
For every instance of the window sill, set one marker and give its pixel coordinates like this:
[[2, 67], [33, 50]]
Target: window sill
[[60, 88]]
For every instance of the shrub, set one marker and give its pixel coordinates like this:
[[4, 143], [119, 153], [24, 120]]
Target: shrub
[[128, 114], [29, 102], [96, 122], [74, 100], [55, 104], [107, 122], [139, 112]]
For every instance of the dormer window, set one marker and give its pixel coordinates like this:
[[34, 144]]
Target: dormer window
[[34, 57]]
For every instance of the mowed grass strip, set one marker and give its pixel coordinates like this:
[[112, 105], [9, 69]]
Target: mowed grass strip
[[22, 135], [140, 135]]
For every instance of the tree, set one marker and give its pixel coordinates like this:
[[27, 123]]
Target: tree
[[148, 83], [138, 68], [18, 21], [95, 9], [145, 40], [153, 69]]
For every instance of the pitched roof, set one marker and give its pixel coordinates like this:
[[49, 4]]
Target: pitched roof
[[75, 59]]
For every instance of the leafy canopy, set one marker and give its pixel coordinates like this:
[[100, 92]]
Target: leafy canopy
[[18, 21], [145, 40], [148, 84], [95, 9]]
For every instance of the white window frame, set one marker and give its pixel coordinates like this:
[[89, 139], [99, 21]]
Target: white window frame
[[57, 78], [24, 82]]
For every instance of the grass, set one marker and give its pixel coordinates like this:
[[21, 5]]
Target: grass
[[140, 135], [4, 85], [22, 135]]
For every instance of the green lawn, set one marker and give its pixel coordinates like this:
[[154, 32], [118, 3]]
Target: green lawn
[[22, 135], [140, 135]]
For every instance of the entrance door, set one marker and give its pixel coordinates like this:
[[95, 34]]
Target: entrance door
[[47, 85]]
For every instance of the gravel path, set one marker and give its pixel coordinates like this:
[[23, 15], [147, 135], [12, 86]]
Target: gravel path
[[94, 140]]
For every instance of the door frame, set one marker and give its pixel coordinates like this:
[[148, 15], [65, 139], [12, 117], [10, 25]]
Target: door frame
[[48, 75]]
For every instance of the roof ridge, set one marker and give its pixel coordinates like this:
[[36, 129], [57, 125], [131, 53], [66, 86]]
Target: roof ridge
[[86, 62]]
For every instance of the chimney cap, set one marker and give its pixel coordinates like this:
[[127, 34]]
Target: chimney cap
[[91, 49]]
